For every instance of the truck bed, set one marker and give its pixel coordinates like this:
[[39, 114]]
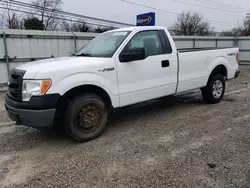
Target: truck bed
[[195, 65], [182, 50]]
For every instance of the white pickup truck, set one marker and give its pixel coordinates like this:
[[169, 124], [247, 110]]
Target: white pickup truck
[[116, 69]]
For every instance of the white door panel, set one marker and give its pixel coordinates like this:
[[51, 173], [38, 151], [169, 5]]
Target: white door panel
[[138, 75], [146, 79]]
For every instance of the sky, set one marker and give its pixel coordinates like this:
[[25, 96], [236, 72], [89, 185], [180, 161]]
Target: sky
[[117, 10]]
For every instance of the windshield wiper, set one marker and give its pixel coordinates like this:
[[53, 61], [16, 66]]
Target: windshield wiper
[[84, 55]]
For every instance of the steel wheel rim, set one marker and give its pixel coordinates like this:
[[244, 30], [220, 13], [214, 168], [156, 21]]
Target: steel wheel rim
[[89, 118], [217, 89]]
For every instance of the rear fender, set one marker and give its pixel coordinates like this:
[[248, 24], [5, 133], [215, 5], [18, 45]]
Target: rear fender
[[216, 62]]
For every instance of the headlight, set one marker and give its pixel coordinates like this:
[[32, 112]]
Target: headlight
[[34, 88]]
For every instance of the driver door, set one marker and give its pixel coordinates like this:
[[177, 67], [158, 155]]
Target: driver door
[[146, 79]]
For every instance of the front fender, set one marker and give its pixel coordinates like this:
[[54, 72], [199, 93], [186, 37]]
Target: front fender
[[80, 79]]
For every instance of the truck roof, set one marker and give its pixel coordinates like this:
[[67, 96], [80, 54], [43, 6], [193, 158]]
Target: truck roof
[[140, 28]]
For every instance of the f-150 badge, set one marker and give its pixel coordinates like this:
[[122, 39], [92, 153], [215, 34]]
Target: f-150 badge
[[106, 69]]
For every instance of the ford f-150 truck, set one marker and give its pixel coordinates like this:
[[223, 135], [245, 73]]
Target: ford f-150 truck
[[116, 69]]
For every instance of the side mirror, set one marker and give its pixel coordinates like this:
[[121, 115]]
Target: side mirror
[[132, 55]]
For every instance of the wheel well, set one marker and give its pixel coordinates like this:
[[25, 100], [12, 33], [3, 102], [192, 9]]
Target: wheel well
[[220, 69], [63, 102]]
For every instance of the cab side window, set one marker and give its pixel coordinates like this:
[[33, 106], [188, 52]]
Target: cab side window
[[149, 40]]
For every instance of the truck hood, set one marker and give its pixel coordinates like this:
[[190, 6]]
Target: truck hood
[[48, 65]]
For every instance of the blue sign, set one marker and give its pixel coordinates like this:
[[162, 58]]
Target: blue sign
[[147, 19]]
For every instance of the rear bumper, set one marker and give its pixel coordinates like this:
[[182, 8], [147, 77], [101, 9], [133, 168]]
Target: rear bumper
[[32, 118], [237, 73]]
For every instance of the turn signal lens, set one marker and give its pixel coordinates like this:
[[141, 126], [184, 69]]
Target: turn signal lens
[[45, 86]]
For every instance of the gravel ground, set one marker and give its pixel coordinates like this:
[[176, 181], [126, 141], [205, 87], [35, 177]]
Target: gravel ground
[[174, 142]]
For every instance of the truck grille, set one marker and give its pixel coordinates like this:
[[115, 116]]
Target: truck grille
[[15, 84]]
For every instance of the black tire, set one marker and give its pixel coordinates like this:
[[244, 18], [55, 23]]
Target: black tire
[[208, 92], [86, 117]]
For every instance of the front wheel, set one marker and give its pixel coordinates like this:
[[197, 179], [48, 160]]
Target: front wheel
[[87, 117], [215, 89]]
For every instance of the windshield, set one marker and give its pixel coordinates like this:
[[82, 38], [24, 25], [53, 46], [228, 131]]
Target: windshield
[[104, 45]]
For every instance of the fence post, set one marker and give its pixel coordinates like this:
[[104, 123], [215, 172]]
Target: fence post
[[75, 45], [194, 42], [6, 53], [216, 45], [236, 41]]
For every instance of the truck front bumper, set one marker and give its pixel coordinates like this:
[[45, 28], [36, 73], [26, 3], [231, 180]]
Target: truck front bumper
[[32, 118], [38, 112]]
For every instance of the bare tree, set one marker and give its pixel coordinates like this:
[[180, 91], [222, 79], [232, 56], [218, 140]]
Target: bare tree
[[66, 26], [243, 30], [10, 18], [191, 24], [101, 29], [33, 24], [233, 32], [49, 12], [79, 26], [1, 21]]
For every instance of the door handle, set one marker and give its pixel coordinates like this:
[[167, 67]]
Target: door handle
[[165, 63]]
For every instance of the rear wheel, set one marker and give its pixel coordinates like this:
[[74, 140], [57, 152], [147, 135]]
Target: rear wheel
[[215, 89], [87, 117]]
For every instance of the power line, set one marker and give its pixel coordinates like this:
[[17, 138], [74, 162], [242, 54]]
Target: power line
[[74, 14], [145, 6], [65, 19], [15, 6], [207, 7], [175, 13], [97, 19], [221, 4], [27, 11], [67, 13], [59, 18]]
